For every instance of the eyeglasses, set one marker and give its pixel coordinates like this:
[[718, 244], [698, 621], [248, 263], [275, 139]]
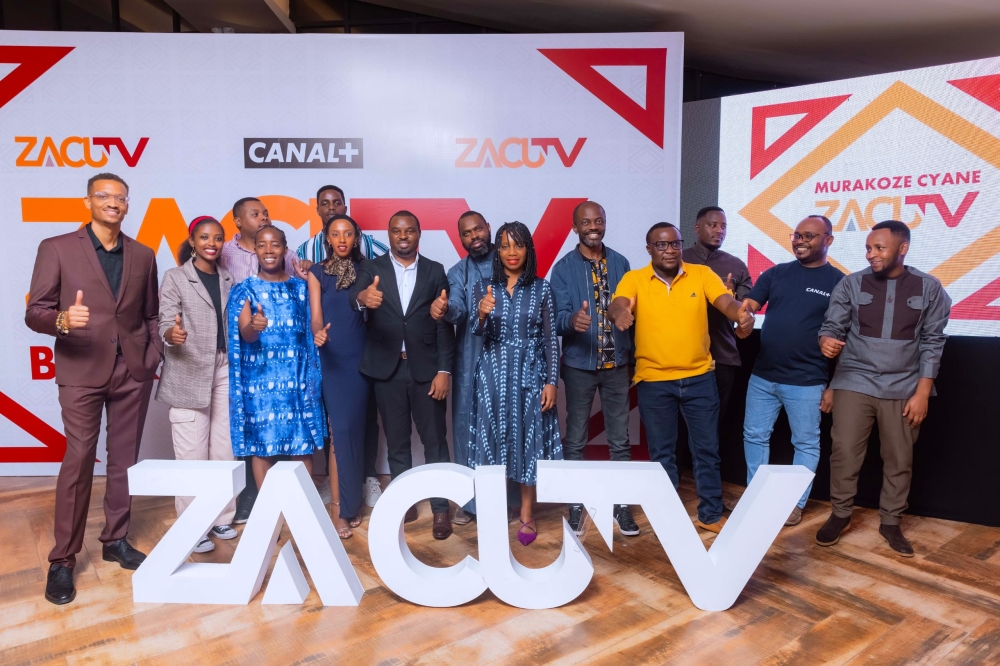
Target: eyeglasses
[[104, 196], [807, 237], [663, 245]]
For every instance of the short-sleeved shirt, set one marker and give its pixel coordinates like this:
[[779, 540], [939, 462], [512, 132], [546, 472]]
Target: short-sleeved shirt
[[671, 321], [797, 299]]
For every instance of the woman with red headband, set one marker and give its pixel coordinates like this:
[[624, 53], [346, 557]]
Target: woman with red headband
[[194, 380]]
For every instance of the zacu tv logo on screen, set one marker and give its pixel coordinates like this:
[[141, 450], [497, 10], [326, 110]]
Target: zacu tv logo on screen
[[76, 152]]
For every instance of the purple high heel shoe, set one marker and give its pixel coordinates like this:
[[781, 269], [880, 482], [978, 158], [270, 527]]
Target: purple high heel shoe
[[527, 537]]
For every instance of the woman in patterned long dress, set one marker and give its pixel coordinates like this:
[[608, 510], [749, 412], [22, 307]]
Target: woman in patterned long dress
[[514, 421], [274, 374]]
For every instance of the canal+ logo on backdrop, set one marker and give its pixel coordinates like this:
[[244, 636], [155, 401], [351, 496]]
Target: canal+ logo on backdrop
[[272, 153]]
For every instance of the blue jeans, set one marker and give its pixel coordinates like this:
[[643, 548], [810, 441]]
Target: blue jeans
[[697, 399], [764, 400]]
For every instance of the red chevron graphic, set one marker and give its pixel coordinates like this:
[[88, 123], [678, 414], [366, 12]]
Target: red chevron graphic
[[815, 109], [984, 88], [32, 61], [54, 441], [757, 263], [976, 306], [580, 63]]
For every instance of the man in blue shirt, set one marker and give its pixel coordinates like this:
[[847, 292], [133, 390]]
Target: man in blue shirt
[[474, 231], [595, 354], [790, 370]]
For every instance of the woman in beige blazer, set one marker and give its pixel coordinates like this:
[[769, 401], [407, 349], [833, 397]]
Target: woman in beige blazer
[[195, 376]]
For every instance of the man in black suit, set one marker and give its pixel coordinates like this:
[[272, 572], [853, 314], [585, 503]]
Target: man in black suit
[[408, 354]]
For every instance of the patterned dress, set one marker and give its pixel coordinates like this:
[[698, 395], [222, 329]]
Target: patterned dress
[[520, 356], [274, 383]]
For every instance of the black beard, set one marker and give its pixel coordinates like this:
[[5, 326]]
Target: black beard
[[477, 254]]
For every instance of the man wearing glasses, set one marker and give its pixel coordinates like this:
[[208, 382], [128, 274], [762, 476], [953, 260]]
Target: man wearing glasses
[[667, 301], [95, 290], [790, 370]]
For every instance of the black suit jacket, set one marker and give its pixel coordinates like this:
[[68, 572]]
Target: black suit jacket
[[430, 345]]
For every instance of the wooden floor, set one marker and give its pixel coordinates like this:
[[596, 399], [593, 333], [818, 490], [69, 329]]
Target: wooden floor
[[854, 603]]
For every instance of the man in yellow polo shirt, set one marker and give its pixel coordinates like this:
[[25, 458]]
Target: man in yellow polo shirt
[[668, 301]]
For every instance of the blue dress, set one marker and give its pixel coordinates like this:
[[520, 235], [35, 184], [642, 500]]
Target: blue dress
[[274, 383], [520, 356], [345, 389]]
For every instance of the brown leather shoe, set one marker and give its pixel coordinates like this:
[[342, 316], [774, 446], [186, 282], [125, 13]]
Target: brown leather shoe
[[830, 533], [462, 517], [893, 536], [442, 525], [411, 515], [712, 527]]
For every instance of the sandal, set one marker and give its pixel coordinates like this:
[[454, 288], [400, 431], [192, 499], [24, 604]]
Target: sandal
[[355, 521], [342, 532], [527, 537]]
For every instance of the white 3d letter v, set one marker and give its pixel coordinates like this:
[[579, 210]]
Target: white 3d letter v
[[713, 579]]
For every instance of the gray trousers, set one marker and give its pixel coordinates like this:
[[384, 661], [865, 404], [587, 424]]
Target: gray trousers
[[581, 385], [854, 415]]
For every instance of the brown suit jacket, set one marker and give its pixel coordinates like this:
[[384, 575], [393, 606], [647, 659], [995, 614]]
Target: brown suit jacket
[[86, 357]]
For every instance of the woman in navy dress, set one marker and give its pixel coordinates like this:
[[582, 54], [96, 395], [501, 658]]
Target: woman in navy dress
[[514, 421], [274, 377], [339, 333]]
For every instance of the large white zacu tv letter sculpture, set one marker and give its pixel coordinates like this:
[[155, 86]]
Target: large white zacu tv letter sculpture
[[713, 579], [288, 493]]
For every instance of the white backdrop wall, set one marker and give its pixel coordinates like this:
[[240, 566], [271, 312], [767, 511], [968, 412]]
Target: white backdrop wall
[[515, 126]]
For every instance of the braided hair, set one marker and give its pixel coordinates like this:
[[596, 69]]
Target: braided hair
[[516, 233], [356, 255]]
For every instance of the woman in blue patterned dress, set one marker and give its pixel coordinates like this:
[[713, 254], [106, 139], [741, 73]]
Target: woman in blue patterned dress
[[274, 375], [514, 421]]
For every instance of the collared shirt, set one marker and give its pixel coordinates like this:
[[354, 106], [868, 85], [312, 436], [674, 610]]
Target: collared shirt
[[602, 299], [242, 263], [314, 249], [111, 260], [671, 322], [720, 329], [406, 279], [894, 330]]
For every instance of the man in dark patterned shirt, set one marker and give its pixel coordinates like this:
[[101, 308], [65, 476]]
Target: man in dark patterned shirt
[[885, 326], [595, 354]]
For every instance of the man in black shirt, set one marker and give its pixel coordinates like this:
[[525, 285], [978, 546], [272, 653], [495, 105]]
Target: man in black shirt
[[790, 370]]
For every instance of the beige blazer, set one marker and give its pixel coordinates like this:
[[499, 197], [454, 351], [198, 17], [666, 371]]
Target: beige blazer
[[186, 377]]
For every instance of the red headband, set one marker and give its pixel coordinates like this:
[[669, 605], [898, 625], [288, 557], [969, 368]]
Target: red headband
[[198, 220]]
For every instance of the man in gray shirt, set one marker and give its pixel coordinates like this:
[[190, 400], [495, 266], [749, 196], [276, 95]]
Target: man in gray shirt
[[886, 324]]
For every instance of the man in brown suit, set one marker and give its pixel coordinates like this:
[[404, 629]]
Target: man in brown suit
[[95, 290]]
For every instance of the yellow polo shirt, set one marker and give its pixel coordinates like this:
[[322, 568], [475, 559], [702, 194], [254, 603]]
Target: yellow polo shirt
[[671, 322]]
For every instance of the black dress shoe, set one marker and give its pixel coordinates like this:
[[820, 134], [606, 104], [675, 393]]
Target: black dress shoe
[[60, 589], [123, 553], [830, 533], [893, 536], [244, 505]]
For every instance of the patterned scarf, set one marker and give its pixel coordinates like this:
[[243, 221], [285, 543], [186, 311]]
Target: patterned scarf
[[343, 268]]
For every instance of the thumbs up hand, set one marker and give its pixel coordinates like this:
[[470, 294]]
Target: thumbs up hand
[[729, 284], [620, 312], [371, 297], [487, 303], [78, 314], [745, 321], [320, 336], [176, 335], [440, 306], [581, 319], [258, 321]]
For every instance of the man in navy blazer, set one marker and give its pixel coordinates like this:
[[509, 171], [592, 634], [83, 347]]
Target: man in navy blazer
[[408, 354]]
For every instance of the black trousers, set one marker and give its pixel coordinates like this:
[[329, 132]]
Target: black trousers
[[371, 435], [402, 400]]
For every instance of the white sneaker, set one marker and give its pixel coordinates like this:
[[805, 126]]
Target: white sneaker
[[224, 532], [204, 546], [372, 491]]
